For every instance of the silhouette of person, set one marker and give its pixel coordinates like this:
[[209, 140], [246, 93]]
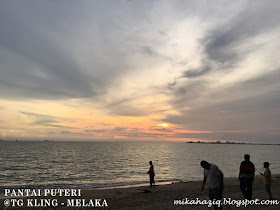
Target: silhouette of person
[[246, 177], [216, 181], [267, 179], [151, 173]]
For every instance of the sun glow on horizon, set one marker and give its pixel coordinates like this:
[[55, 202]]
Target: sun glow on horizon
[[163, 125]]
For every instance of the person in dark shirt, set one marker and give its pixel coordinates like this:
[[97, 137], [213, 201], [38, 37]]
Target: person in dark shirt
[[152, 174], [246, 177]]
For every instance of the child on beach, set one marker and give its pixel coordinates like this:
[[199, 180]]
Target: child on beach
[[152, 174], [267, 179]]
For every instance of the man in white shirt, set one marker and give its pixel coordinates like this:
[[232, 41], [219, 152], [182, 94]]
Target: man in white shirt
[[216, 181]]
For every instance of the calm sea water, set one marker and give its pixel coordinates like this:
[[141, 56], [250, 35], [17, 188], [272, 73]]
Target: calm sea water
[[95, 164]]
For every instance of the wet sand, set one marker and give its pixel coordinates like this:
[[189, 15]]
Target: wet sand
[[161, 196]]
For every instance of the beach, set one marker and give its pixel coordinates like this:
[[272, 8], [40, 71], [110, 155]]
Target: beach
[[159, 197]]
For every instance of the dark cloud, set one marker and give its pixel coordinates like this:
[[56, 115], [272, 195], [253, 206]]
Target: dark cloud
[[192, 73], [112, 131], [66, 132], [256, 18], [222, 42], [126, 107], [255, 113], [149, 51], [59, 50], [45, 120], [119, 129], [172, 84], [95, 130], [162, 130], [188, 93], [32, 65]]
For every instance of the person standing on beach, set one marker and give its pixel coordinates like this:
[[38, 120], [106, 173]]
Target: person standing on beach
[[152, 174], [267, 179], [246, 177], [216, 181]]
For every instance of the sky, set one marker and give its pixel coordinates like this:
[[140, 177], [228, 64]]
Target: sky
[[145, 70]]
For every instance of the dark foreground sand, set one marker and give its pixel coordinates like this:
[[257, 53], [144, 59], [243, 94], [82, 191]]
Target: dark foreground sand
[[163, 196]]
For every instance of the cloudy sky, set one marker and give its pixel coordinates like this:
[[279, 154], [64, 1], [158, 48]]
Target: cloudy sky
[[146, 70]]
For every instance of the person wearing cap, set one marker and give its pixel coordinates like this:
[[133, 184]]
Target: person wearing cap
[[246, 177]]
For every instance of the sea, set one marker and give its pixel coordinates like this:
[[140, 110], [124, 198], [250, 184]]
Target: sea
[[87, 165]]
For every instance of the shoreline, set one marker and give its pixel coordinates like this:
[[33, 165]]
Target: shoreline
[[2, 195], [163, 196], [142, 184]]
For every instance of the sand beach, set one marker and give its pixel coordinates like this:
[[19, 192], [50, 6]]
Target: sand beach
[[158, 197]]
